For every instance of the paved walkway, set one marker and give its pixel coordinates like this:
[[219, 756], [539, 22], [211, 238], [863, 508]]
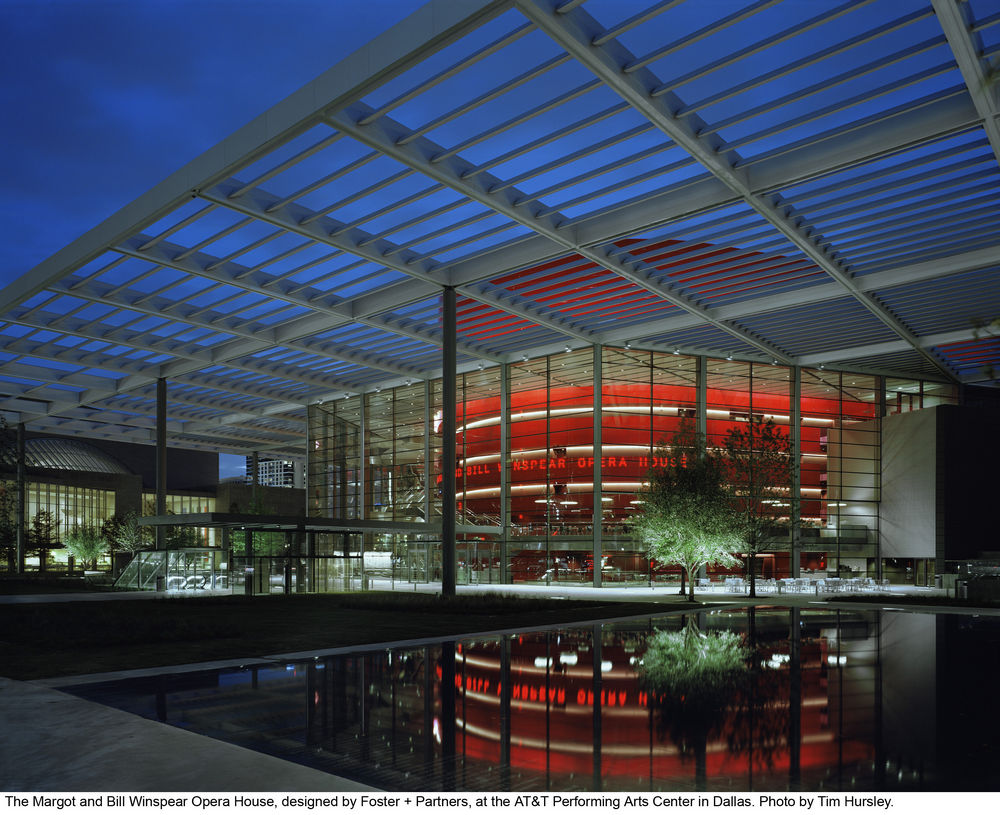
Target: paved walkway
[[56, 742]]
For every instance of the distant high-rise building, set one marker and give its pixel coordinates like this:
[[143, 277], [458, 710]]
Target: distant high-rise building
[[272, 472]]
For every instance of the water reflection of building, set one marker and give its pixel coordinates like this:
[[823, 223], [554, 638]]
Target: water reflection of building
[[856, 698]]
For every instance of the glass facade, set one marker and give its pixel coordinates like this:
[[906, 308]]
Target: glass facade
[[552, 454]]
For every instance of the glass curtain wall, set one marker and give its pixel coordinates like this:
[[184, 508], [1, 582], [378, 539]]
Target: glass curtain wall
[[840, 466], [645, 397], [335, 459], [550, 466], [542, 483], [478, 473], [739, 393], [67, 506], [394, 451]]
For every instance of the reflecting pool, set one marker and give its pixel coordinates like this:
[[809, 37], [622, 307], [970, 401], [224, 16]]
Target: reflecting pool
[[736, 699]]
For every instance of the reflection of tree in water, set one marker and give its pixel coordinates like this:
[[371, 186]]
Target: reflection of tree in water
[[702, 685]]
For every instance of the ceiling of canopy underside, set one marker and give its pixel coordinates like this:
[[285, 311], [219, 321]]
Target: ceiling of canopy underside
[[812, 183]]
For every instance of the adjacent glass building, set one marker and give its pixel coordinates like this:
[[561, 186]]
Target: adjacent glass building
[[552, 454]]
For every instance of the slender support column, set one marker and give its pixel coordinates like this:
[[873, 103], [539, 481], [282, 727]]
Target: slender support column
[[504, 473], [795, 429], [428, 470], [701, 406], [882, 410], [255, 479], [598, 514], [250, 586], [701, 420], [311, 561], [22, 500], [448, 399], [161, 459], [362, 510], [310, 412]]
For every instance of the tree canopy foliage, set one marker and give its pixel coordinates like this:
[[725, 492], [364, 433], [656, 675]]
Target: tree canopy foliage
[[85, 543], [687, 517]]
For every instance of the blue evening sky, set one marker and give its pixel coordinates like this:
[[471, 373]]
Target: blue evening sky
[[102, 99]]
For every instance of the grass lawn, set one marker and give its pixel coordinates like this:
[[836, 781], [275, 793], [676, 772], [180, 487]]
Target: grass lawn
[[62, 639]]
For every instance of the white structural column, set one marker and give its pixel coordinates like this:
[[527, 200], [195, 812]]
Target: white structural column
[[428, 470], [598, 453], [448, 428], [161, 460]]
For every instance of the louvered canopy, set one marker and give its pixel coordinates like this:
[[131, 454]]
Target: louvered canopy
[[802, 182]]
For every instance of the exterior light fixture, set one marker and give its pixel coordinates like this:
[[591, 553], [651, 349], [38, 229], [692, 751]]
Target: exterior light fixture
[[378, 389], [524, 357], [628, 346], [729, 357], [677, 352], [568, 349], [481, 365], [407, 381]]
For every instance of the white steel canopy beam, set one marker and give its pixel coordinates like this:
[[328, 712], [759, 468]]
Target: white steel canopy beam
[[393, 140], [575, 31], [955, 22], [357, 242], [804, 162], [891, 347]]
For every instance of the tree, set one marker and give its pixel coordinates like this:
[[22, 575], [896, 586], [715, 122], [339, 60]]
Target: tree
[[43, 535], [124, 532], [758, 467], [687, 518], [85, 543]]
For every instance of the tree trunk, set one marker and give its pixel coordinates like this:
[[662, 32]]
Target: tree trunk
[[683, 590], [690, 586], [752, 567]]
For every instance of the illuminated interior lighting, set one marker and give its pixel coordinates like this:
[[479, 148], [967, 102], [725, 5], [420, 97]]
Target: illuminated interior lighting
[[606, 665], [569, 503], [568, 658], [835, 660]]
